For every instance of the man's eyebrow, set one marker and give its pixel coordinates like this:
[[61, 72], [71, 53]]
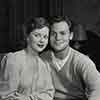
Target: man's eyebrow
[[62, 31]]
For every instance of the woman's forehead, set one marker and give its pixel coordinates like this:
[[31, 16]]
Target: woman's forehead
[[44, 30]]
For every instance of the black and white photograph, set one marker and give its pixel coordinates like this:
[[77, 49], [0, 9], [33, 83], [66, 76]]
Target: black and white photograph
[[49, 50]]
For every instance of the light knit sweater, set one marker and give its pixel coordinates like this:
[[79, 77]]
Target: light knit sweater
[[77, 79]]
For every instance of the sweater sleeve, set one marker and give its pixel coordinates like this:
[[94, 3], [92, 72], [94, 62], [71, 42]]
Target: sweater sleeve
[[91, 78], [9, 71]]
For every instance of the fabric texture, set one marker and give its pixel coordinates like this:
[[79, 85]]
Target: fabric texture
[[77, 79], [26, 77]]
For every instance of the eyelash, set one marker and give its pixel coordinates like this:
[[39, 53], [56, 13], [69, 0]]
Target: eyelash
[[37, 35], [54, 33], [63, 33], [45, 36]]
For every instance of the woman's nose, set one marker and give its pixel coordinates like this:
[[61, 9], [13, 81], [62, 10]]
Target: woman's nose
[[42, 39]]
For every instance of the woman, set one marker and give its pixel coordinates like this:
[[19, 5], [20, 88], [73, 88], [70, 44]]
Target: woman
[[27, 75]]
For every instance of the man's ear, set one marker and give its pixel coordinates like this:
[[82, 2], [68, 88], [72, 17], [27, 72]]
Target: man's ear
[[71, 35]]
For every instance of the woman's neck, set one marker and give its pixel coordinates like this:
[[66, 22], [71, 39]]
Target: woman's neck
[[30, 51]]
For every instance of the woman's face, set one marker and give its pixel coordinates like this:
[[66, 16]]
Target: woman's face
[[38, 39]]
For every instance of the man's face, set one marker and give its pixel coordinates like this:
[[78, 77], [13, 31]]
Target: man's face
[[38, 39], [60, 36]]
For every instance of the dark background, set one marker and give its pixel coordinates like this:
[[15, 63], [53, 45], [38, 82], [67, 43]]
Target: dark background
[[13, 13]]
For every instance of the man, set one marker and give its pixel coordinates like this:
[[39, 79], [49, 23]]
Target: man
[[74, 75]]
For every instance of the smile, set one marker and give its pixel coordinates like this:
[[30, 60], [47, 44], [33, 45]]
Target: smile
[[58, 43], [40, 45]]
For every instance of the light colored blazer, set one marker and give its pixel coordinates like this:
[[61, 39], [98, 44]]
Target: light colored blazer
[[26, 75]]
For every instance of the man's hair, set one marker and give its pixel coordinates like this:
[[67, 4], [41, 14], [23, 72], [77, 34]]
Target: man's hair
[[56, 19]]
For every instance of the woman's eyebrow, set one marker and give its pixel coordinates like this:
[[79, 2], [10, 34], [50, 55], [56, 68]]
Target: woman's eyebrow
[[36, 32], [40, 33]]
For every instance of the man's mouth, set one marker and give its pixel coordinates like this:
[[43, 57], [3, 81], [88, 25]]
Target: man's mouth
[[58, 43]]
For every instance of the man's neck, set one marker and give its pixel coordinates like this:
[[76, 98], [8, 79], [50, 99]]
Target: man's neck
[[61, 54]]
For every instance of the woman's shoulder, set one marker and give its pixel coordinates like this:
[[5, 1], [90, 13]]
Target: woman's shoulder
[[13, 56]]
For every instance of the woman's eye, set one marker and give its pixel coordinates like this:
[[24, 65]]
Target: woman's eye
[[46, 37], [36, 35]]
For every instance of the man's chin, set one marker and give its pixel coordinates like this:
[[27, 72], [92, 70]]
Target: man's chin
[[59, 49]]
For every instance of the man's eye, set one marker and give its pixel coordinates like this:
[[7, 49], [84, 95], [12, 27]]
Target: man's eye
[[63, 33]]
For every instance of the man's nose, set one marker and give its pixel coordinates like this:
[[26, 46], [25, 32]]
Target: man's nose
[[58, 36]]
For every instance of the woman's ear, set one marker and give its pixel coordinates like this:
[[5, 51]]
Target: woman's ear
[[71, 36]]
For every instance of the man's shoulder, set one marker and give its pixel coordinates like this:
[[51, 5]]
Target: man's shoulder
[[81, 58]]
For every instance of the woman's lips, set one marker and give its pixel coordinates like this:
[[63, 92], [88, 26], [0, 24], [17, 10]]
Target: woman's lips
[[41, 45]]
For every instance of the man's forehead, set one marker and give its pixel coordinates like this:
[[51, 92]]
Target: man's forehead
[[60, 26]]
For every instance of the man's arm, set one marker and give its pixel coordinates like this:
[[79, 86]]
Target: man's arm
[[91, 79]]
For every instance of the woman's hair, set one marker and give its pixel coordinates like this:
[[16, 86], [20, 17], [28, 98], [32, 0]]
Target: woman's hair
[[34, 23], [56, 19], [31, 24]]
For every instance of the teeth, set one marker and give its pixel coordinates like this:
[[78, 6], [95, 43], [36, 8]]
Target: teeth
[[40, 45]]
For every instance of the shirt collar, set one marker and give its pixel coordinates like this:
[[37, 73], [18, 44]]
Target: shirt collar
[[58, 62]]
